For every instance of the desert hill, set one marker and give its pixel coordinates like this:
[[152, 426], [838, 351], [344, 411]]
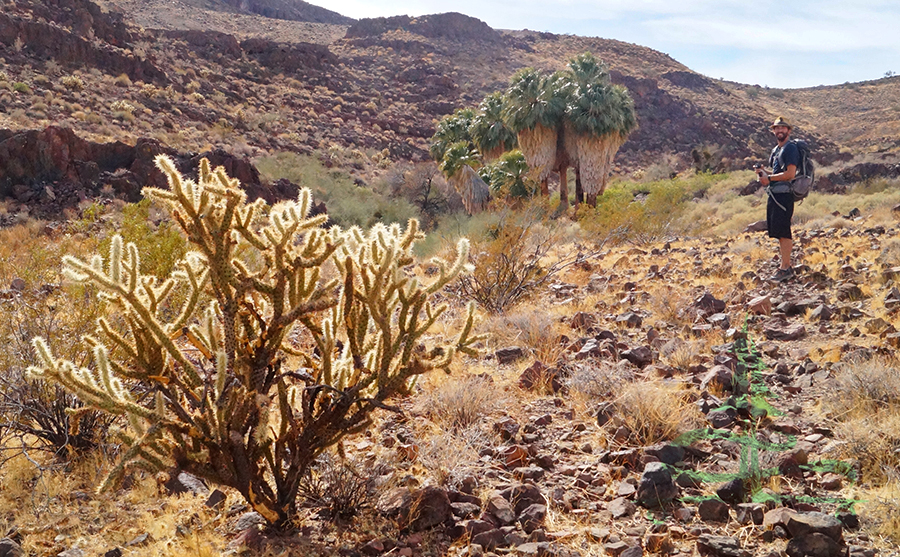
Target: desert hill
[[219, 76]]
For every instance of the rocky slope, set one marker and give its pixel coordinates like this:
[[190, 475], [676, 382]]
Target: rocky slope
[[373, 85]]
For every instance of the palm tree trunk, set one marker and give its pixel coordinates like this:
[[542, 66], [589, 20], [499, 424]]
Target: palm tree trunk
[[563, 189], [579, 191], [539, 147], [474, 192], [595, 156]]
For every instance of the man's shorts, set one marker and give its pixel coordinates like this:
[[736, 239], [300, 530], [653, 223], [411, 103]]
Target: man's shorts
[[778, 220]]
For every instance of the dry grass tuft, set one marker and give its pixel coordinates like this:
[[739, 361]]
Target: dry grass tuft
[[866, 403], [655, 411], [459, 403], [532, 328], [880, 510]]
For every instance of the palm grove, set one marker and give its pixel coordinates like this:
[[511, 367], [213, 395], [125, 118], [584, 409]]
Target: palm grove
[[574, 118]]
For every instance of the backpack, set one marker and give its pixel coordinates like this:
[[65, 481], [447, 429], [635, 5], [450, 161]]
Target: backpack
[[806, 172]]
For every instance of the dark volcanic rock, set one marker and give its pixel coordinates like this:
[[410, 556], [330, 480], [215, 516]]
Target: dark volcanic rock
[[720, 546], [814, 545], [656, 488], [75, 169], [451, 25]]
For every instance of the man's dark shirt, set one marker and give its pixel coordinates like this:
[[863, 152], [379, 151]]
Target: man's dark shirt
[[782, 157]]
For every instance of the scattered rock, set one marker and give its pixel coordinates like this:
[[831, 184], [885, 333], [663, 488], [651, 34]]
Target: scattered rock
[[732, 492], [9, 548], [750, 513], [538, 375], [621, 507], [490, 540], [630, 319], [720, 546], [500, 508], [761, 305], [656, 488], [800, 525], [583, 321], [713, 510], [532, 517], [795, 331], [509, 354], [814, 545]]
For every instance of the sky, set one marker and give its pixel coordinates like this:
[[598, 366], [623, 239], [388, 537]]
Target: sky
[[783, 44]]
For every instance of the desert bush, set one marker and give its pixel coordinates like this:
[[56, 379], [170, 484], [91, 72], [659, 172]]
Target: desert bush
[[511, 257], [35, 415], [159, 241], [424, 187], [644, 213], [534, 328], [308, 332], [21, 87], [866, 403], [460, 403], [339, 486], [122, 81]]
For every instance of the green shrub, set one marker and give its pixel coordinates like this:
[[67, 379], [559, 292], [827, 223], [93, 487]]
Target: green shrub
[[21, 87]]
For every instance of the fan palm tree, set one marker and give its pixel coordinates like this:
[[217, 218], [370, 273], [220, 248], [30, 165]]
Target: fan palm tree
[[509, 175], [457, 166], [534, 110], [452, 129], [599, 117], [488, 132]]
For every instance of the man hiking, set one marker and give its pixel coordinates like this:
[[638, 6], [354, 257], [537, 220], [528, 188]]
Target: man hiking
[[784, 160]]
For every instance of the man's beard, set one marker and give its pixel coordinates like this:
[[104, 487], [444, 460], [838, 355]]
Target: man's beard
[[781, 136]]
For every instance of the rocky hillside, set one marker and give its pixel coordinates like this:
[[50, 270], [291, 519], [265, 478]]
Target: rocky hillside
[[366, 94]]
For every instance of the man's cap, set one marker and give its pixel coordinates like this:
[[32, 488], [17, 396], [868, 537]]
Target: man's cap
[[780, 121]]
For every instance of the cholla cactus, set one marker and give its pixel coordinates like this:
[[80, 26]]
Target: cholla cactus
[[269, 343]]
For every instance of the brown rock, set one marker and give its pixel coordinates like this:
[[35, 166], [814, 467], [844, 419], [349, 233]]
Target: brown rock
[[621, 507], [500, 509], [720, 546], [514, 456], [761, 305], [713, 510], [800, 525], [814, 545], [777, 517], [583, 321]]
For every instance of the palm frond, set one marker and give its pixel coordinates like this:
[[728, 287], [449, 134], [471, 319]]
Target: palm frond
[[487, 130], [532, 99], [456, 156], [452, 128]]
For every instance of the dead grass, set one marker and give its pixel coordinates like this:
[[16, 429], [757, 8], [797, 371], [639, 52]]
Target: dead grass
[[458, 403], [866, 404], [655, 411], [879, 510]]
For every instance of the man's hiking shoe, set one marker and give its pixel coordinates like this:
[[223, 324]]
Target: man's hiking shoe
[[783, 275]]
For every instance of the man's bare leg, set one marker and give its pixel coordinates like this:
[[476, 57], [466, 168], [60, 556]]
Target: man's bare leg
[[785, 245]]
